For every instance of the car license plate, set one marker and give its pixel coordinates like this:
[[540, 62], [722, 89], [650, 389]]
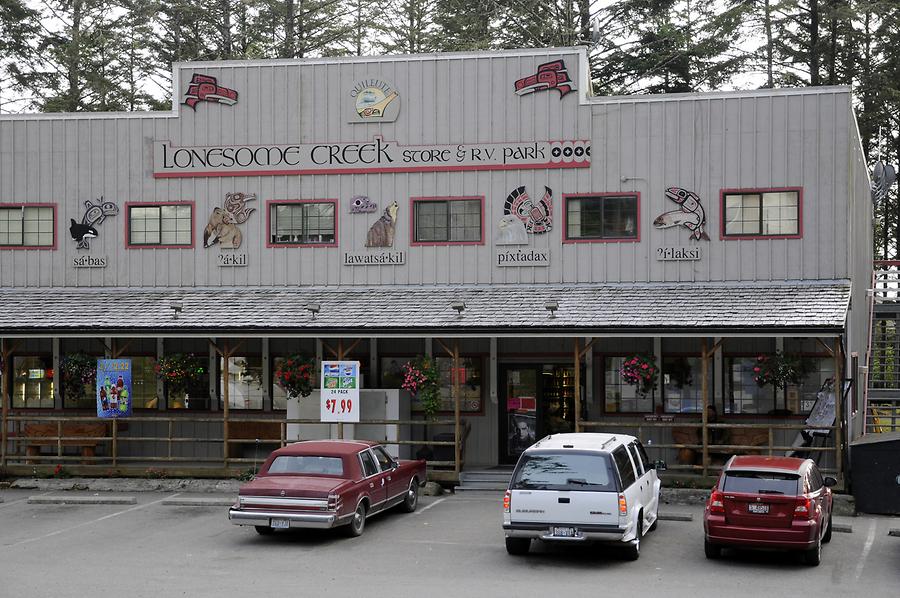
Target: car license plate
[[279, 523], [563, 532], [758, 508]]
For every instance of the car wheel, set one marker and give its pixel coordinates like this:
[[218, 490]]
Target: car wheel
[[518, 546], [827, 537], [264, 530], [713, 551], [358, 521], [633, 551], [813, 556], [411, 501]]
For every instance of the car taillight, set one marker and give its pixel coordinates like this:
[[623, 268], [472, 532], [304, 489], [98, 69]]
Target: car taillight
[[715, 502], [803, 508], [623, 505], [334, 502], [506, 500]]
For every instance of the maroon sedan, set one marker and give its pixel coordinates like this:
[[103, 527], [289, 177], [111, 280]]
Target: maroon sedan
[[780, 503], [325, 484]]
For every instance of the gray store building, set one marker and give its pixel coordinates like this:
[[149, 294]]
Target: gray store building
[[483, 208]]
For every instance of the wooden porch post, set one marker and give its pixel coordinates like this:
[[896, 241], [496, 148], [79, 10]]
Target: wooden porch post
[[838, 407], [457, 452], [577, 384], [579, 355], [4, 396], [704, 393]]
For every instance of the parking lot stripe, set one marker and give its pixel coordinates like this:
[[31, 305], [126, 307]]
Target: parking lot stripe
[[865, 552], [91, 522], [437, 502], [15, 502]]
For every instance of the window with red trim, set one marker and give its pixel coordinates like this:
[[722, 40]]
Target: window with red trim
[[27, 226], [601, 217], [762, 213], [448, 220], [302, 223], [162, 224]]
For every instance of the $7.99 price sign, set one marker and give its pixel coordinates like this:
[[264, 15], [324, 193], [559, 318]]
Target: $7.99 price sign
[[339, 406], [339, 391]]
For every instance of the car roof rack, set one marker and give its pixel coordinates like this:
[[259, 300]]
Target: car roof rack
[[603, 446]]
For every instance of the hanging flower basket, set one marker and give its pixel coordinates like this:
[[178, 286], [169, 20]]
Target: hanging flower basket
[[180, 371], [640, 371], [422, 379], [296, 374], [78, 371], [779, 370]]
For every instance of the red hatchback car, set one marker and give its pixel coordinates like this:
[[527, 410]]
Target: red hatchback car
[[779, 503]]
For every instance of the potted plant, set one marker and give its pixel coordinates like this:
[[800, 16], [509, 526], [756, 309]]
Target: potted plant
[[296, 374], [422, 378], [642, 372], [79, 371], [780, 370], [179, 372]]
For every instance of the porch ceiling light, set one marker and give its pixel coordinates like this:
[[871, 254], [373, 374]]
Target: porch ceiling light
[[459, 306], [551, 305], [313, 308]]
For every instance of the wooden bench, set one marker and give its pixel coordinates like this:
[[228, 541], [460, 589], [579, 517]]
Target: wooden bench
[[38, 435], [268, 433]]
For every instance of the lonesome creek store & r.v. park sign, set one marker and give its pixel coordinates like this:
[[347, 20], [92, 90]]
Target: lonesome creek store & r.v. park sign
[[373, 156]]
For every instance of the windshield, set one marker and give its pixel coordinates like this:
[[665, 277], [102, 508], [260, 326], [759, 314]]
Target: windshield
[[307, 465], [564, 471], [761, 482]]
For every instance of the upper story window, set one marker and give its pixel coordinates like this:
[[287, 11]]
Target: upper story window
[[161, 225], [758, 213], [447, 220], [27, 226], [602, 217], [295, 223]]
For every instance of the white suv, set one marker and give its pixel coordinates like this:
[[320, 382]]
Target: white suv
[[579, 487]]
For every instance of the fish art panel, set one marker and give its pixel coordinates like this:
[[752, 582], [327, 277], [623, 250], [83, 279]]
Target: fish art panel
[[690, 214]]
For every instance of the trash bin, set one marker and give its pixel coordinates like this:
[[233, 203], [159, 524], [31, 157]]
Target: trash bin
[[444, 452], [875, 471]]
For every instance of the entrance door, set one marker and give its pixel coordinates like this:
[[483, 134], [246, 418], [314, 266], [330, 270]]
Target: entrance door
[[518, 413], [536, 400]]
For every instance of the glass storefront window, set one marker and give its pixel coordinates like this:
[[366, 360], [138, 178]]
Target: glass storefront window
[[620, 397], [392, 371], [143, 382], [801, 400], [682, 384], [742, 394], [245, 389], [32, 382], [470, 379]]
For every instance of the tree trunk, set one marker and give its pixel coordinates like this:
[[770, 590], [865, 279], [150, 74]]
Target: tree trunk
[[770, 83], [287, 50]]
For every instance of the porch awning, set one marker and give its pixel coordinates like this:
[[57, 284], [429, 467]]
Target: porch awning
[[811, 308]]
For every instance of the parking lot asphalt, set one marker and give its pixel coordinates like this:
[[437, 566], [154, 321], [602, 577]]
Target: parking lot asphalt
[[181, 544]]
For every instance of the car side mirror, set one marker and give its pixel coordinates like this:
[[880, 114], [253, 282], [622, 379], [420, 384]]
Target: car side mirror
[[395, 464], [830, 481], [660, 465]]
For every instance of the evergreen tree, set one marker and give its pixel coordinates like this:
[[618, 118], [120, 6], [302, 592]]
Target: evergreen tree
[[18, 29], [668, 46], [408, 27], [464, 26]]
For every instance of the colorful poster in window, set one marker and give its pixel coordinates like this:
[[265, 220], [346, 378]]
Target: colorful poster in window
[[113, 388], [340, 391]]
